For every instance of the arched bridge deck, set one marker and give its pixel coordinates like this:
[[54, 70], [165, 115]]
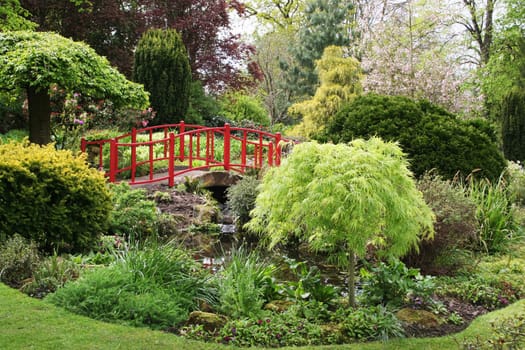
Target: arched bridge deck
[[161, 153]]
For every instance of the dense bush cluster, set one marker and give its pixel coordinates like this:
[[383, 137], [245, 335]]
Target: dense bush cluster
[[51, 197], [455, 228], [431, 137]]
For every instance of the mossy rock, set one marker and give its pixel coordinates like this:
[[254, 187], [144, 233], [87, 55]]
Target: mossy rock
[[278, 305], [210, 321], [420, 318]]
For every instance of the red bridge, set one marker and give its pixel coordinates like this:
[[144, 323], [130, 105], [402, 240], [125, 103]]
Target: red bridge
[[161, 153]]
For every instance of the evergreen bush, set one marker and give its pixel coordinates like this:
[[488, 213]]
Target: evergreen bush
[[162, 65], [18, 260], [51, 197], [431, 137]]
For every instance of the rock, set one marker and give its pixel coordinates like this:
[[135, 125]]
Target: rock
[[419, 318], [278, 305], [210, 321]]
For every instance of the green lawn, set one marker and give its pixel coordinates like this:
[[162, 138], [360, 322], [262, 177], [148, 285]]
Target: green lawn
[[27, 323]]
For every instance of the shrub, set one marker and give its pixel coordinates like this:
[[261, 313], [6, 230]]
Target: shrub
[[372, 323], [15, 135], [513, 124], [477, 290], [51, 197], [133, 215], [238, 106], [18, 260], [155, 287], [431, 137], [454, 229], [241, 199], [394, 284], [273, 331], [516, 176], [52, 273], [507, 333]]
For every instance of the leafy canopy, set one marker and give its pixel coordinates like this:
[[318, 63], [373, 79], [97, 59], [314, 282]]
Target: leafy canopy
[[343, 197], [41, 59]]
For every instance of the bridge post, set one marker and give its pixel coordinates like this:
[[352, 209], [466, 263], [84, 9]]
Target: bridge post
[[226, 146], [133, 154], [171, 161], [83, 145], [113, 160], [181, 141], [278, 149]]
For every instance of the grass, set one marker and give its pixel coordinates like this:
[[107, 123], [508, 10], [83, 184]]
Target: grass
[[32, 324]]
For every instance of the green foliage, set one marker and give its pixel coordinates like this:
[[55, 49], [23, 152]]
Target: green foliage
[[516, 178], [394, 284], [134, 215], [51, 197], [372, 323], [203, 107], [431, 137], [41, 59], [507, 333], [495, 214], [241, 199], [243, 283], [14, 17], [307, 284], [11, 112], [13, 136], [52, 273], [455, 227], [325, 23], [340, 82], [154, 287], [162, 65], [18, 260], [513, 124], [489, 293], [239, 106], [340, 198]]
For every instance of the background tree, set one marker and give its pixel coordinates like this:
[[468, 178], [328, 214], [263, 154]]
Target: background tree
[[513, 124], [162, 65], [411, 52], [340, 82], [14, 17], [113, 27], [325, 23], [341, 198], [36, 61], [240, 106]]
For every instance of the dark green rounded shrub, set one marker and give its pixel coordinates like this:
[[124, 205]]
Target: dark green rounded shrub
[[513, 124], [431, 137], [51, 197], [241, 199]]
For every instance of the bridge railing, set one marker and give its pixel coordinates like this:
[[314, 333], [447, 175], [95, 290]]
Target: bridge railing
[[171, 150]]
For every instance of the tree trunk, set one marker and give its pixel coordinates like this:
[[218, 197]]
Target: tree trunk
[[39, 116], [351, 278]]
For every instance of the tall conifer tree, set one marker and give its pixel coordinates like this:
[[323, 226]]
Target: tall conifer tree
[[162, 65]]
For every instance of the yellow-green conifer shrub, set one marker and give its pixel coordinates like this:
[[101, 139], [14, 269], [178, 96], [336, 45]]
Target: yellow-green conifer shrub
[[51, 197]]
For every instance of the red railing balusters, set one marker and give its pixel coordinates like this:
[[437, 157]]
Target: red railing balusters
[[267, 149], [227, 146]]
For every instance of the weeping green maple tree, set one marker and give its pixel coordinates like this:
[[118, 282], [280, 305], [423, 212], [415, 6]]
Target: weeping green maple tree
[[38, 61], [342, 198]]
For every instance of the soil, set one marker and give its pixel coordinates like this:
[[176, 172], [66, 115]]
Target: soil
[[182, 206]]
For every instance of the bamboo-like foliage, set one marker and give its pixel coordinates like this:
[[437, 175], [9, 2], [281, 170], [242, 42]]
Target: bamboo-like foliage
[[341, 198], [513, 124]]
